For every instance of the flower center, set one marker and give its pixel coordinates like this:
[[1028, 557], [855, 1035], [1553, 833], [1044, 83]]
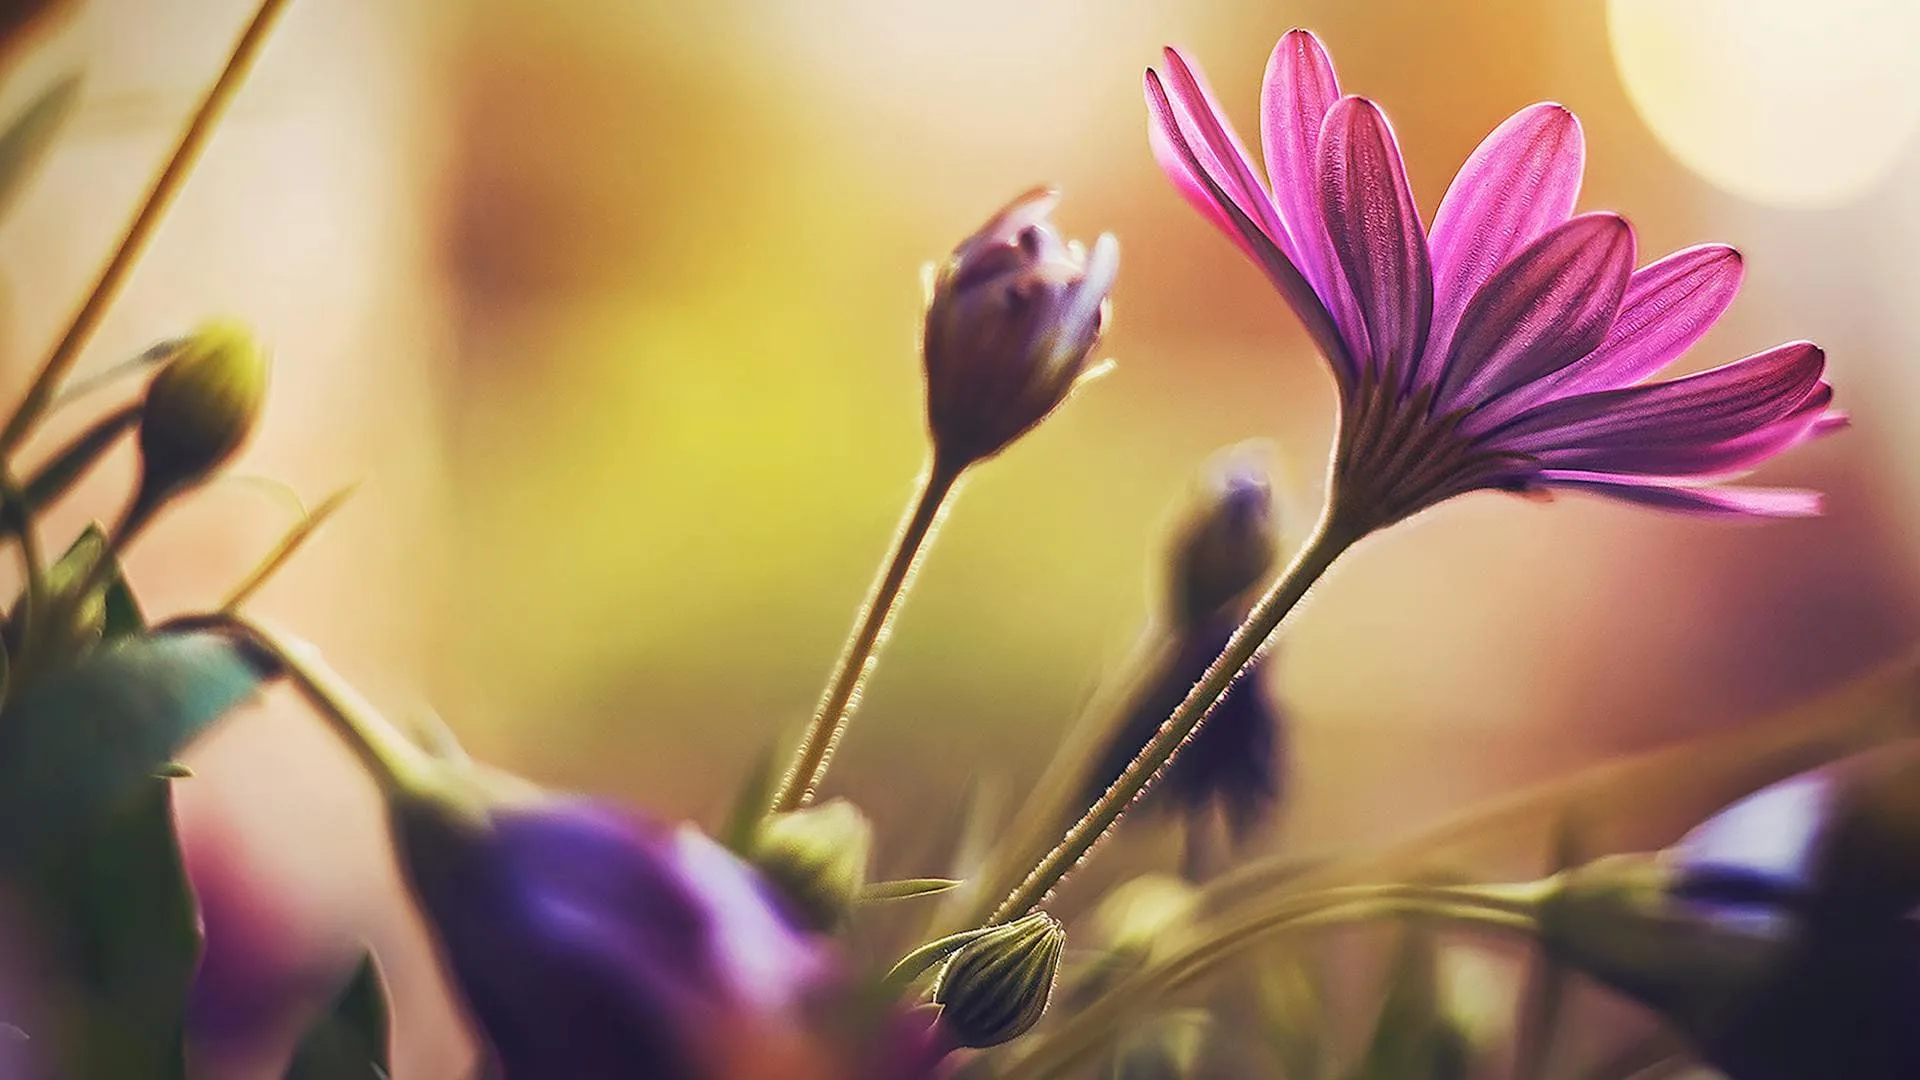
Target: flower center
[[1395, 458]]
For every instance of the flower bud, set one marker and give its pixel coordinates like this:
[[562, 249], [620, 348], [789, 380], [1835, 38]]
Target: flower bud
[[1621, 920], [1227, 542], [199, 409], [817, 859], [1014, 312], [997, 987]]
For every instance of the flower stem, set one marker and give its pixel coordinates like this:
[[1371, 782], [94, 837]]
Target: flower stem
[[46, 383], [936, 487], [396, 763], [1504, 909], [1332, 536]]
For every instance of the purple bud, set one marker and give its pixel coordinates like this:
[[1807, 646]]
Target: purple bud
[[1225, 543], [1013, 315], [1779, 934], [587, 940]]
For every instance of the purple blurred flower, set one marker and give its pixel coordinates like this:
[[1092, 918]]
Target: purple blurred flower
[[261, 980], [587, 940], [1504, 348], [1222, 550], [1828, 861], [1779, 934]]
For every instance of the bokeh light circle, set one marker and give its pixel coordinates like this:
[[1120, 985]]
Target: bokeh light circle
[[1801, 103]]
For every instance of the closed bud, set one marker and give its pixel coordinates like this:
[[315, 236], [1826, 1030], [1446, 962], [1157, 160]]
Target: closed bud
[[199, 409], [1624, 920], [817, 859], [996, 988], [1013, 315], [1227, 542]]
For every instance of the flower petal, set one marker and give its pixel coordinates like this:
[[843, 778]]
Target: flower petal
[[1520, 182], [1217, 147], [1293, 287], [1714, 502], [1726, 402], [1299, 88], [1702, 458], [1670, 304], [1376, 234], [1547, 307]]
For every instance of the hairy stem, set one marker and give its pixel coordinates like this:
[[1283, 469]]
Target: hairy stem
[[862, 652], [46, 383], [1332, 536]]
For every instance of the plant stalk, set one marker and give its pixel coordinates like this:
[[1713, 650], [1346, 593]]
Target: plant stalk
[[936, 488]]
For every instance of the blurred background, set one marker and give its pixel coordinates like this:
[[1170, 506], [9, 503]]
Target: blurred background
[[611, 308]]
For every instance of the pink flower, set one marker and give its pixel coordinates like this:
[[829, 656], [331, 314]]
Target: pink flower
[[1507, 346]]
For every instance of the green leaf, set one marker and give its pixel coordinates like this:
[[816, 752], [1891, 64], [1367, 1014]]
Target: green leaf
[[114, 909], [66, 467], [1403, 1043], [25, 142], [750, 801], [83, 743], [1293, 1014], [350, 1042], [906, 889]]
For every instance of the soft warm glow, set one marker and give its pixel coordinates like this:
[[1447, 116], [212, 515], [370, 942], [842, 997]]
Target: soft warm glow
[[1785, 102]]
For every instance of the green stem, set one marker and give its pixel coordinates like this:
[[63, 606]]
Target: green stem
[[33, 607], [1497, 908], [397, 765], [1330, 538], [815, 752], [1047, 807], [46, 383]]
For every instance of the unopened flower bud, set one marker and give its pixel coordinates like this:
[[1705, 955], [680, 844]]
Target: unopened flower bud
[[1622, 919], [817, 859], [1014, 313], [996, 988], [200, 408], [1227, 542]]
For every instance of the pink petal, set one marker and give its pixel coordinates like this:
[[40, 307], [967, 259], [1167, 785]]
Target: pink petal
[[1285, 276], [1521, 181], [1722, 403], [1299, 88], [1376, 234], [1683, 454], [1218, 148], [1670, 305], [1727, 502], [1547, 307], [1186, 179]]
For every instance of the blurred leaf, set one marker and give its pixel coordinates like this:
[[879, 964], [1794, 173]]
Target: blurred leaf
[[151, 357], [1652, 1055], [1404, 1039], [1546, 986], [906, 889], [1167, 1047], [289, 545], [80, 745], [116, 911], [750, 802], [25, 142], [59, 474], [350, 1042], [1293, 1010]]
